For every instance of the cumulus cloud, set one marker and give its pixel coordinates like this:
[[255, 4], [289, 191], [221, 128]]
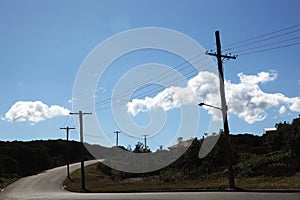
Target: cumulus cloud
[[172, 97], [282, 110], [245, 99], [249, 102], [33, 112]]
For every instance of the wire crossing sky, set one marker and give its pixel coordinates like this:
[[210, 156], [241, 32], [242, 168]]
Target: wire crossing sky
[[44, 43]]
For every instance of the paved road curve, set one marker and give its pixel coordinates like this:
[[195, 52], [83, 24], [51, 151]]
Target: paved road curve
[[48, 185]]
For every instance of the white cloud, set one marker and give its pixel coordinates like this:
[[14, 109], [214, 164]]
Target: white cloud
[[248, 101], [244, 99], [33, 112], [282, 110], [172, 97], [294, 103], [261, 77]]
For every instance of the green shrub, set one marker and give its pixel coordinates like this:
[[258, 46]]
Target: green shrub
[[1, 170], [278, 163], [104, 169], [8, 165], [171, 175]]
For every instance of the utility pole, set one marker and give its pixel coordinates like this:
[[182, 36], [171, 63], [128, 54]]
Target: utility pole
[[224, 107], [67, 149], [145, 141], [117, 139], [80, 113]]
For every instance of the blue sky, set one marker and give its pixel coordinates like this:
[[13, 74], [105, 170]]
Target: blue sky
[[44, 43]]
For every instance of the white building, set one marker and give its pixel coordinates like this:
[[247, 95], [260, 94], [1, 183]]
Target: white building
[[267, 130]]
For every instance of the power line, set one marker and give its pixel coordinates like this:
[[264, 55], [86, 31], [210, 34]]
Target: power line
[[93, 136], [244, 52], [165, 75], [107, 100], [149, 93], [263, 35], [265, 45], [269, 49], [159, 77], [67, 118], [156, 89], [102, 105], [170, 83], [261, 40]]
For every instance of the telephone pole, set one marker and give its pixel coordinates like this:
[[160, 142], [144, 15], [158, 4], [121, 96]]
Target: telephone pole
[[80, 113], [145, 141], [67, 149], [117, 139], [224, 107]]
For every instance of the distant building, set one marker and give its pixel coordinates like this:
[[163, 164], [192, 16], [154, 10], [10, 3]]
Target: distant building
[[186, 143], [297, 120], [270, 130]]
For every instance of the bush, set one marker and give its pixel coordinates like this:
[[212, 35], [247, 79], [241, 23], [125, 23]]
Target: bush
[[8, 165], [58, 160], [171, 175], [104, 169], [278, 163], [1, 170]]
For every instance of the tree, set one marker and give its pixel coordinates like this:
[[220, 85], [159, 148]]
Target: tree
[[179, 139], [9, 165], [140, 148]]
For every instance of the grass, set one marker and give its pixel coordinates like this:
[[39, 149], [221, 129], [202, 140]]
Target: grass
[[285, 183], [6, 181], [98, 182]]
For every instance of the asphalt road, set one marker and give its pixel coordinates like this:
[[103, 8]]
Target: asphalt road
[[48, 185]]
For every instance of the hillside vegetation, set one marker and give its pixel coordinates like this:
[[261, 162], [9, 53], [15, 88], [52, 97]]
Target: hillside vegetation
[[270, 161], [18, 159], [275, 154]]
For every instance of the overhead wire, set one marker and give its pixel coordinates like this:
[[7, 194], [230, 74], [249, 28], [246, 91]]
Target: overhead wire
[[107, 100], [157, 89], [151, 92], [257, 44], [107, 104], [232, 46], [157, 78], [67, 118], [265, 45], [263, 35], [269, 49], [248, 50], [261, 40], [243, 43]]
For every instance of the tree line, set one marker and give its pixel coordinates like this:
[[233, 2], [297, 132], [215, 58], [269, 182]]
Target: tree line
[[19, 159], [276, 153]]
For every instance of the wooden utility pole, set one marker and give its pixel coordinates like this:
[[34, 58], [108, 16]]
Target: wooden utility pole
[[67, 149], [224, 107], [145, 141], [117, 137], [80, 113]]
